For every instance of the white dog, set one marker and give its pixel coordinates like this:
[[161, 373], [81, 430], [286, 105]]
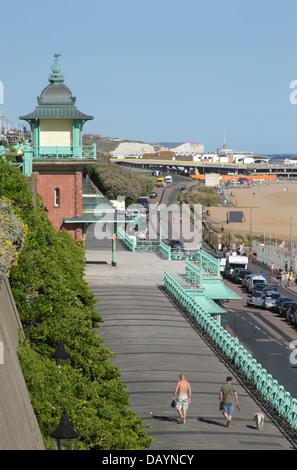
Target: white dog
[[259, 418]]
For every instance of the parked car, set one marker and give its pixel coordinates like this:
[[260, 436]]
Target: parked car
[[269, 299], [240, 275], [245, 281], [279, 302], [234, 273], [290, 312], [255, 279], [265, 288], [251, 299], [141, 234], [176, 244], [259, 301], [270, 288], [259, 287], [285, 307], [293, 315]]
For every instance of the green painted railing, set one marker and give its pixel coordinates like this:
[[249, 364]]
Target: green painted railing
[[208, 263], [200, 270], [64, 152], [147, 246], [129, 242], [165, 250], [269, 388], [183, 254]]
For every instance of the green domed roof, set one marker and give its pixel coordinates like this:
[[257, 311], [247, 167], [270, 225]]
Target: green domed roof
[[56, 100], [56, 94]]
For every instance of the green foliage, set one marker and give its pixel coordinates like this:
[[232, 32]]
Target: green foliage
[[98, 409], [55, 303], [113, 180], [12, 235], [205, 196]]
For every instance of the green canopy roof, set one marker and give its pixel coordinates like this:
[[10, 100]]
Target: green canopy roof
[[218, 291], [209, 305]]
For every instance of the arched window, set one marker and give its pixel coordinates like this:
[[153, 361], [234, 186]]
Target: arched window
[[57, 197]]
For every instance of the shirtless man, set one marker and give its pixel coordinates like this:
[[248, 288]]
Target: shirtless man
[[183, 391]]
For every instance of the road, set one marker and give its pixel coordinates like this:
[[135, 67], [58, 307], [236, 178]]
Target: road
[[172, 228], [265, 335]]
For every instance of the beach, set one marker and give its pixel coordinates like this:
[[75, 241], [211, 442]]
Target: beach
[[269, 208]]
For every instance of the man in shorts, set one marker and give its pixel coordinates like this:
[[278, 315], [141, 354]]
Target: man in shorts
[[183, 391], [228, 396]]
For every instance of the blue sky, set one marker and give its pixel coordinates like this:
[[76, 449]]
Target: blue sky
[[161, 70]]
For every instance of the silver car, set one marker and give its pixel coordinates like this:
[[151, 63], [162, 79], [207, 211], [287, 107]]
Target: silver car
[[252, 299], [270, 298], [141, 234]]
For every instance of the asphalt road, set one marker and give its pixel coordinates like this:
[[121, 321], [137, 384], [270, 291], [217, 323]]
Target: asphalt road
[[168, 196], [265, 335]]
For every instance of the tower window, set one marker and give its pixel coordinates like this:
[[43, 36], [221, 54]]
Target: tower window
[[57, 197]]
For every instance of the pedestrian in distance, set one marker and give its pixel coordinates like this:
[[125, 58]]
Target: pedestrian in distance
[[183, 392], [283, 279], [291, 277], [227, 398]]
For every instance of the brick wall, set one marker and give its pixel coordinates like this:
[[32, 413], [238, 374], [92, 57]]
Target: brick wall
[[70, 205]]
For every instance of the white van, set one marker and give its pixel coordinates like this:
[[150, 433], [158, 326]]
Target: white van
[[168, 179], [235, 261], [255, 279], [222, 263]]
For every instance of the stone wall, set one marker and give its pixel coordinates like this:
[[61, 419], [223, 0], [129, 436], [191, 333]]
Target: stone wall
[[18, 425]]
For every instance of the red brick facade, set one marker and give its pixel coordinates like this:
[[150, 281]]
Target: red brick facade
[[61, 191]]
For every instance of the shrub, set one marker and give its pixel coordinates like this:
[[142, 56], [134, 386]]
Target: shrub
[[113, 180], [12, 236], [55, 303]]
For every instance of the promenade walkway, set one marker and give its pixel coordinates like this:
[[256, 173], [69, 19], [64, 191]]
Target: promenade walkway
[[153, 343]]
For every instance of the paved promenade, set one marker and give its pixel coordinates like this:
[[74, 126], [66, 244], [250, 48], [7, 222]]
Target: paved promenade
[[153, 343]]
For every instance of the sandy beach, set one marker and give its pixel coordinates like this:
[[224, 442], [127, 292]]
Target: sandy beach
[[270, 207]]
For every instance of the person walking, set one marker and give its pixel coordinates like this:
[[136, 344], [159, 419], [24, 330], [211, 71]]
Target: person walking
[[183, 391], [291, 277], [227, 398]]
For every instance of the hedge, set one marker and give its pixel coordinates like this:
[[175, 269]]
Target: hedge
[[55, 303]]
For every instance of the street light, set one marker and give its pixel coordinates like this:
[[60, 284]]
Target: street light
[[61, 356], [47, 238], [65, 437]]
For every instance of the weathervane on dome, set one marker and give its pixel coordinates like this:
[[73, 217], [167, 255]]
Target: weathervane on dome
[[56, 74]]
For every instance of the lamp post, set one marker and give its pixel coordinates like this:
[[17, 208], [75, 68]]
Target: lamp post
[[48, 240], [65, 437], [61, 356]]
